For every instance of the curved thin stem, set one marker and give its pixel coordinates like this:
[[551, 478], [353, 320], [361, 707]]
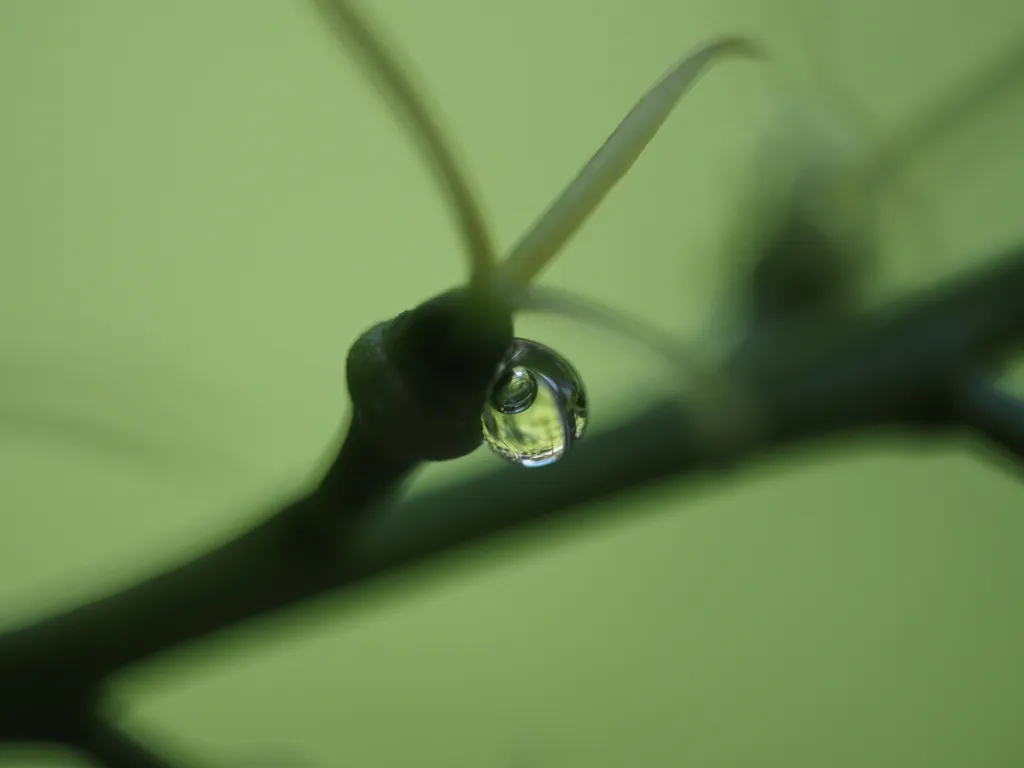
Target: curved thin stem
[[562, 303], [122, 444], [409, 104], [616, 156]]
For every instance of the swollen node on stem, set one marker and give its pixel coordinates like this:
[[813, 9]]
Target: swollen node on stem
[[425, 384], [418, 383]]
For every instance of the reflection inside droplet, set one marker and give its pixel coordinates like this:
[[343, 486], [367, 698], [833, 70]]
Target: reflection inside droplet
[[515, 391], [537, 408]]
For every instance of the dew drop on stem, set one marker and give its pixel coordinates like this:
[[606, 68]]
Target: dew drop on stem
[[537, 407]]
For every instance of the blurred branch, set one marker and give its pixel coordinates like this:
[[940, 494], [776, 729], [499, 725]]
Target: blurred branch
[[104, 744], [948, 115], [990, 411], [893, 368]]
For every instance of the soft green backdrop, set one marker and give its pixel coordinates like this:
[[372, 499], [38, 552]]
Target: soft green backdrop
[[202, 204]]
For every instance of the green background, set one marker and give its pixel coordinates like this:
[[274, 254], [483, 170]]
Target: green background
[[203, 203]]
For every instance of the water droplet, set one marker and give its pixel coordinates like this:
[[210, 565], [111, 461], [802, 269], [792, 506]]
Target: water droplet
[[537, 408]]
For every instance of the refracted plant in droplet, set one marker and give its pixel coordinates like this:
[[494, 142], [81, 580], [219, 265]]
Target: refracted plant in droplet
[[537, 408]]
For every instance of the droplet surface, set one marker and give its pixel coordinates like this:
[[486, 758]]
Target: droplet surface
[[537, 407]]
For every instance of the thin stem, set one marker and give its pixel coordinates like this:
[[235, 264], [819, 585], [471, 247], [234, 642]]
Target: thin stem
[[685, 361], [947, 116], [410, 104], [578, 201]]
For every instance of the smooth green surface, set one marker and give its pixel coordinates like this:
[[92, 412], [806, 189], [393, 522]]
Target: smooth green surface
[[202, 203]]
